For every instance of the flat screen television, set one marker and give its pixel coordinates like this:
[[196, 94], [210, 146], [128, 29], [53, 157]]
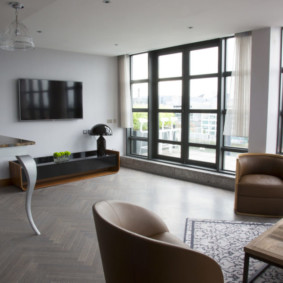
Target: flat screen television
[[50, 100]]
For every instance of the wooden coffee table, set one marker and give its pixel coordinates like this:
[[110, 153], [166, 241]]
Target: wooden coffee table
[[267, 247]]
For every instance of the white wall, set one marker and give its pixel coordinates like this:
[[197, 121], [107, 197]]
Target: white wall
[[264, 90], [100, 102]]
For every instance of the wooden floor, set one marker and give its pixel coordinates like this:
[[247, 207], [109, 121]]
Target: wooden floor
[[67, 250]]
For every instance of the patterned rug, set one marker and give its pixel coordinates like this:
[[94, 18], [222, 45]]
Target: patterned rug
[[224, 242]]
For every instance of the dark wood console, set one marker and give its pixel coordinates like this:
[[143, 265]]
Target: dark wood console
[[82, 165]]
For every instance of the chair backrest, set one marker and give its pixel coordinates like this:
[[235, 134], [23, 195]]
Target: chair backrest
[[130, 255], [260, 163]]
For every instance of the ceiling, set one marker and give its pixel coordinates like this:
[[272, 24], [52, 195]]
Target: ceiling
[[133, 26]]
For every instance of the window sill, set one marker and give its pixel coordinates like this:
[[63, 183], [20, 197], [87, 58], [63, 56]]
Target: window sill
[[214, 179]]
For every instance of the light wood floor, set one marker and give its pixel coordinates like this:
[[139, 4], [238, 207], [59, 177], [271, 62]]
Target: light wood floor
[[67, 250]]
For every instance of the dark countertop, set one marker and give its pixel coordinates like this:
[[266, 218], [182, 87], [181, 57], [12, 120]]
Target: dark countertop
[[10, 142]]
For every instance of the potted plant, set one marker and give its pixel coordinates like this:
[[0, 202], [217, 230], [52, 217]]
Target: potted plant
[[67, 155], [61, 156]]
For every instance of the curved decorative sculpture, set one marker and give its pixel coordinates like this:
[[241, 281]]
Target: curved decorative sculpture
[[29, 166]]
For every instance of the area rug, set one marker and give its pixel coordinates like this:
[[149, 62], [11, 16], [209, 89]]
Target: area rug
[[224, 241]]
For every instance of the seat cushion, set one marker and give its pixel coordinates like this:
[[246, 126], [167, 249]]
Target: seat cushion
[[260, 185]]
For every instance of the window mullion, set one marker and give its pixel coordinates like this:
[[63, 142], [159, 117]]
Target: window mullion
[[221, 65], [185, 108], [154, 97]]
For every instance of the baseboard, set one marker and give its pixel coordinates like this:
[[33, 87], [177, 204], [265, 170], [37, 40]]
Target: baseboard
[[5, 182]]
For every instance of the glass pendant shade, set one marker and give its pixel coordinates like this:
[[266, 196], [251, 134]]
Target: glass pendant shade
[[16, 36]]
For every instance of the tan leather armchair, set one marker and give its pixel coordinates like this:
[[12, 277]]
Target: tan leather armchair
[[136, 247], [259, 184]]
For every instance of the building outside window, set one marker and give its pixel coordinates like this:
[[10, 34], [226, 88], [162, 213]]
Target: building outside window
[[179, 98]]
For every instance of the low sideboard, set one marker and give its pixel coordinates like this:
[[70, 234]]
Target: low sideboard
[[82, 165]]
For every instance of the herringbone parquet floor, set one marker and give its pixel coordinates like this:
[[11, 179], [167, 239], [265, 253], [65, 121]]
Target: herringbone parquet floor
[[67, 250]]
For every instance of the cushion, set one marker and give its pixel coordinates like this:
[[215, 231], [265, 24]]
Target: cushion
[[260, 185]]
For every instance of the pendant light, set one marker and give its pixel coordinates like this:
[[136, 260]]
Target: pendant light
[[16, 35]]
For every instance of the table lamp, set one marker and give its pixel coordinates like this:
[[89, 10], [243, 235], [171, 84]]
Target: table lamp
[[101, 130]]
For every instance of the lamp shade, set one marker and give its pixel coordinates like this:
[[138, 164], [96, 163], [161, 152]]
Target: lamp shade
[[16, 36], [100, 130]]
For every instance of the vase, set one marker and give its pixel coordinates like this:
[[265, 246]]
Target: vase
[[61, 159]]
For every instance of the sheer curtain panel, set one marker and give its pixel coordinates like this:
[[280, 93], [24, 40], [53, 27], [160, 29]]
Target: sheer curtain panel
[[126, 117], [238, 112]]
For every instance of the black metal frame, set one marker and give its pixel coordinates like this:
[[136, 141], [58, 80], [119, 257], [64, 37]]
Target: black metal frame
[[130, 137], [153, 110], [280, 110], [268, 263]]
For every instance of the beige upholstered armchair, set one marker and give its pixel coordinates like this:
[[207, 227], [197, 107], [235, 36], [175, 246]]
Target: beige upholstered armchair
[[136, 247], [259, 184]]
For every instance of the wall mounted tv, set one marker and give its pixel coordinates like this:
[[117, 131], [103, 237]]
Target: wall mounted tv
[[50, 100]]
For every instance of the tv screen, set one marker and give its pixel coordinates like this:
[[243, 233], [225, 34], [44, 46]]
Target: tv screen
[[48, 100]]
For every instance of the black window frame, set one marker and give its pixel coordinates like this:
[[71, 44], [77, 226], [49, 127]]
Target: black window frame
[[153, 110], [280, 110]]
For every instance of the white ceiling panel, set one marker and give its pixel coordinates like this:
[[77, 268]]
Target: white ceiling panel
[[132, 26]]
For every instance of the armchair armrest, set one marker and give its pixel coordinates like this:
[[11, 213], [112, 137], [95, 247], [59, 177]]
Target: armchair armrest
[[135, 219]]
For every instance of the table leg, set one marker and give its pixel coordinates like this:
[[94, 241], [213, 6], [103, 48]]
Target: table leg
[[29, 166], [246, 268]]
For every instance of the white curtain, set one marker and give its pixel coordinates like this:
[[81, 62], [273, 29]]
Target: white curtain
[[126, 117], [238, 113]]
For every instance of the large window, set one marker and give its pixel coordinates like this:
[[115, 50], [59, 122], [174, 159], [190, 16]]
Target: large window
[[138, 143], [180, 96]]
